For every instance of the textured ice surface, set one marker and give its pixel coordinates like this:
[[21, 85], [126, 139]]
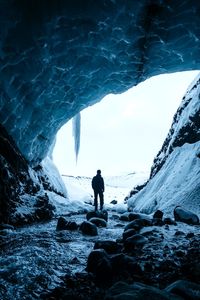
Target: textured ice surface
[[58, 57], [175, 174]]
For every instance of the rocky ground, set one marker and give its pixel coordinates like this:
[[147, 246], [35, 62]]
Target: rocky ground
[[155, 258]]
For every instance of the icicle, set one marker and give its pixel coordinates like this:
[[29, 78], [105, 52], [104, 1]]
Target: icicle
[[76, 131]]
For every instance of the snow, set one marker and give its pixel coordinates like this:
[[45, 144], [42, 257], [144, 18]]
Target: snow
[[54, 176], [116, 188], [177, 183]]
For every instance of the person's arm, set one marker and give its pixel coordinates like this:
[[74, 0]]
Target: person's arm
[[103, 186]]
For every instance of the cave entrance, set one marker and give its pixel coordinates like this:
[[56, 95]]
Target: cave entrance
[[123, 133]]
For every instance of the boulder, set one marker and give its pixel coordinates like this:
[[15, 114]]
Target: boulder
[[6, 226], [98, 222], [157, 222], [185, 216], [123, 264], [89, 228], [136, 216], [137, 291], [63, 224], [186, 289], [94, 258], [110, 247], [99, 264], [158, 214], [128, 233], [136, 241], [138, 224], [124, 216], [169, 221], [97, 214]]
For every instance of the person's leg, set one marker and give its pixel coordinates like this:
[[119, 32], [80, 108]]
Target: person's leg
[[101, 200], [95, 200]]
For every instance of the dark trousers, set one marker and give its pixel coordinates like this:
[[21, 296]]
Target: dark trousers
[[96, 194]]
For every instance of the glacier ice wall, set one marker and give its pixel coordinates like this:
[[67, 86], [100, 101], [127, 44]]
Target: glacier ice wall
[[175, 175], [58, 57]]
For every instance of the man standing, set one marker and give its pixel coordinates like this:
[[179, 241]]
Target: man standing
[[98, 187]]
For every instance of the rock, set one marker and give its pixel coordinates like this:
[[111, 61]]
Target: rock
[[157, 222], [169, 221], [71, 225], [186, 289], [138, 224], [113, 202], [63, 224], [124, 217], [134, 242], [179, 233], [185, 216], [137, 291], [110, 247], [123, 264], [190, 235], [158, 214], [128, 233], [136, 216], [89, 228], [98, 222], [6, 226], [97, 214], [99, 264]]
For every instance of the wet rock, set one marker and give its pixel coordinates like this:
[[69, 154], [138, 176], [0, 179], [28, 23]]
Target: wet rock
[[158, 214], [97, 214], [99, 264], [157, 222], [179, 233], [125, 266], [138, 216], [190, 235], [113, 202], [169, 221], [185, 216], [186, 289], [137, 291], [63, 224], [98, 222], [6, 226], [138, 224], [89, 228], [124, 217], [134, 242], [128, 233], [110, 247]]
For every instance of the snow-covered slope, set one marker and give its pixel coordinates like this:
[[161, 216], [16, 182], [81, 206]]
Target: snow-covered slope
[[116, 187], [175, 174]]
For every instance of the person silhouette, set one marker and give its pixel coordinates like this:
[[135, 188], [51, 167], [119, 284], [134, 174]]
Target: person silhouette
[[98, 187]]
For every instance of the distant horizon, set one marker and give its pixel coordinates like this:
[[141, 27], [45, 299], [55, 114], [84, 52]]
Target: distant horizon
[[123, 133]]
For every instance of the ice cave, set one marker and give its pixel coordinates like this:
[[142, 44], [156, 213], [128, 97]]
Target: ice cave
[[57, 58]]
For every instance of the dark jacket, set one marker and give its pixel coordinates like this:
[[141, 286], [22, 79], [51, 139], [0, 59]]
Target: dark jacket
[[98, 183]]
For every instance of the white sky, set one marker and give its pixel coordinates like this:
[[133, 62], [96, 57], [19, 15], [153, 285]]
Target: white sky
[[123, 133]]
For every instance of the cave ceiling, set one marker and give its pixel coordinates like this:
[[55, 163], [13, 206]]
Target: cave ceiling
[[58, 57]]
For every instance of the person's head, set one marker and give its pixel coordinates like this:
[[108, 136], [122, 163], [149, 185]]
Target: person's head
[[98, 172]]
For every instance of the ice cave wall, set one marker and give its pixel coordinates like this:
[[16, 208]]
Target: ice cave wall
[[58, 57]]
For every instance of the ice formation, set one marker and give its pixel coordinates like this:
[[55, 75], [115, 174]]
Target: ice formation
[[175, 176], [58, 57], [76, 128]]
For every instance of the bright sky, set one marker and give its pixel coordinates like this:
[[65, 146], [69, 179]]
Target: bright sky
[[123, 133]]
